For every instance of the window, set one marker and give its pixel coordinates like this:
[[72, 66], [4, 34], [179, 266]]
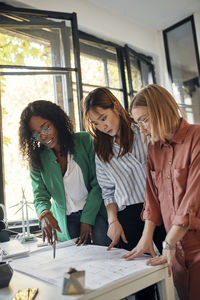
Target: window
[[139, 72], [101, 66], [36, 62], [184, 67], [44, 56]]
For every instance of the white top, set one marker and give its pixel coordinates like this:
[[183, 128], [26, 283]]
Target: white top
[[123, 179], [75, 189]]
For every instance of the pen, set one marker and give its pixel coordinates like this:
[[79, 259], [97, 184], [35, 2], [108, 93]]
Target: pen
[[54, 248]]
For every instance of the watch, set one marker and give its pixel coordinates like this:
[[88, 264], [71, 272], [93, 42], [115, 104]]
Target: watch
[[167, 246]]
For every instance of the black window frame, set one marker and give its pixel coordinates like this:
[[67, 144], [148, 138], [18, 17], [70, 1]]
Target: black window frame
[[120, 61], [72, 17], [148, 60], [166, 46]]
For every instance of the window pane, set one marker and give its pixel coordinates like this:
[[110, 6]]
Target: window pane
[[99, 64], [113, 74], [185, 76], [35, 51], [35, 41], [92, 70], [16, 93], [118, 95], [17, 176], [135, 74], [147, 76]]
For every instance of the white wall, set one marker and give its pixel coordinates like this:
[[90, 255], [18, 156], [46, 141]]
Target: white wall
[[98, 21], [160, 63]]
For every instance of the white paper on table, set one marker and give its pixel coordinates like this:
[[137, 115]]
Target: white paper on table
[[45, 246], [13, 250], [101, 267]]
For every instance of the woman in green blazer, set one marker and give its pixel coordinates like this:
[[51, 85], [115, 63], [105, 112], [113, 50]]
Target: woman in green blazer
[[67, 197]]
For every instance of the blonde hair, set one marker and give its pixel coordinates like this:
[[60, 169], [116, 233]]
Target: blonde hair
[[164, 113], [103, 98]]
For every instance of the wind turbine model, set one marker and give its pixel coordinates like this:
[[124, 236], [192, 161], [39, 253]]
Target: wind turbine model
[[25, 236]]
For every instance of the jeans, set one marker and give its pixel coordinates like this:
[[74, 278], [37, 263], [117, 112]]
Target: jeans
[[99, 230]]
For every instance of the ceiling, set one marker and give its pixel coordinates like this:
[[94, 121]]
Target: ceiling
[[154, 14]]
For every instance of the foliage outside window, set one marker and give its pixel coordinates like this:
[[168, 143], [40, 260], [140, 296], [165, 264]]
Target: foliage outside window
[[33, 66]]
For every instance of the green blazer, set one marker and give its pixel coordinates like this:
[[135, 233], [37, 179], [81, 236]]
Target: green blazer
[[48, 187]]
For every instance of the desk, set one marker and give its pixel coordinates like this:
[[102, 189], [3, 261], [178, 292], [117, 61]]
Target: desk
[[116, 290]]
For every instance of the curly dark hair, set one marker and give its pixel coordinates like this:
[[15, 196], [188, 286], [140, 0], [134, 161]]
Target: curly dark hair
[[29, 148]]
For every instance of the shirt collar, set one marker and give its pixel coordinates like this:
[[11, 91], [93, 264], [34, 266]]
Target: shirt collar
[[179, 136]]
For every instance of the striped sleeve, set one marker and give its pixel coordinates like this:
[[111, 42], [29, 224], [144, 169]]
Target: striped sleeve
[[107, 187]]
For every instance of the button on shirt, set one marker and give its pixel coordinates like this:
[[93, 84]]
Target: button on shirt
[[75, 189], [173, 179], [123, 179]]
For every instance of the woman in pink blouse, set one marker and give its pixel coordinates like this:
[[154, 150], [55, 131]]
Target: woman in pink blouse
[[172, 187]]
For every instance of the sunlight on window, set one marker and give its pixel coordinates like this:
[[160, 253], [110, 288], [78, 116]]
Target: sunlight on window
[[92, 70], [18, 92], [136, 78], [19, 51]]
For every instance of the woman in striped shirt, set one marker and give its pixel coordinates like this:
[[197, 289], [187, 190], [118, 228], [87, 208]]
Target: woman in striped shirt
[[121, 169]]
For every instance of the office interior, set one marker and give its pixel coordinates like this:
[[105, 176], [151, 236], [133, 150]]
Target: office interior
[[60, 50], [122, 46]]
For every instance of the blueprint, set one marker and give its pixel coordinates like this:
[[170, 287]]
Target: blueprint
[[101, 267]]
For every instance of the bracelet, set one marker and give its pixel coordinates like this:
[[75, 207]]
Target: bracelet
[[113, 222], [43, 213], [167, 246]]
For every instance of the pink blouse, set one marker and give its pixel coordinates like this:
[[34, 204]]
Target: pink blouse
[[173, 180]]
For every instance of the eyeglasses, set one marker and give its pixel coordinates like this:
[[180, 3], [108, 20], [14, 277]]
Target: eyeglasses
[[45, 131], [143, 123]]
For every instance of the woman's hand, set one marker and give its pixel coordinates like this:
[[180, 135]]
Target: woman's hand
[[115, 231], [49, 225], [175, 234], [166, 257], [85, 231], [144, 245]]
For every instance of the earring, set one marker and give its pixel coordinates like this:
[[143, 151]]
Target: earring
[[36, 144]]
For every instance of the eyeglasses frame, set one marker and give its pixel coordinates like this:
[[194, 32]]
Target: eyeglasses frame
[[143, 123], [45, 131]]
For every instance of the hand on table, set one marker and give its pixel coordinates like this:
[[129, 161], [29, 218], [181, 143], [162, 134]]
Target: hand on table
[[85, 232], [115, 231], [49, 225], [166, 257], [143, 246]]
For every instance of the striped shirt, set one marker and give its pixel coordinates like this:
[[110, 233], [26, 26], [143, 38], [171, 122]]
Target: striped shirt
[[123, 179]]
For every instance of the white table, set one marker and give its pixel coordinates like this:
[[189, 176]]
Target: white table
[[116, 290]]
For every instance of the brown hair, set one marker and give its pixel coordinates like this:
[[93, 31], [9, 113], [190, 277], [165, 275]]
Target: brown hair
[[162, 108], [103, 98]]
